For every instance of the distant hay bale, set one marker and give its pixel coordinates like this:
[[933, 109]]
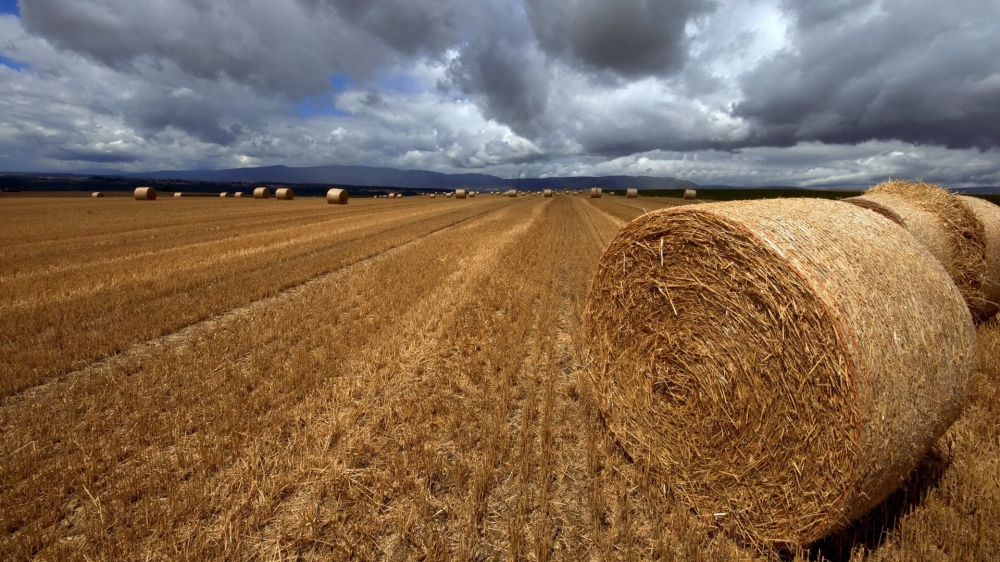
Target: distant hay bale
[[284, 194], [239, 194], [336, 196], [460, 194], [178, 194], [145, 194], [944, 225], [97, 194], [433, 196], [511, 193], [595, 193], [989, 216], [448, 194], [632, 193], [690, 194], [472, 194], [548, 192], [781, 365], [262, 193], [224, 194]]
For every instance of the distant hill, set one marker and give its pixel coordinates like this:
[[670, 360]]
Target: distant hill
[[413, 179]]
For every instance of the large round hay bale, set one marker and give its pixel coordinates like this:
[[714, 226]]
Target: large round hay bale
[[433, 196], [97, 194], [547, 192], [511, 193], [781, 365], [690, 194], [988, 215], [944, 225], [595, 192], [145, 194], [284, 194], [460, 194], [632, 193], [336, 196], [261, 193], [239, 194], [225, 194]]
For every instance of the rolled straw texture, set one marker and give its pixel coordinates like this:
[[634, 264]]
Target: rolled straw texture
[[690, 194], [145, 194], [239, 194], [262, 193], [336, 196], [547, 192], [781, 365], [225, 194], [460, 194], [511, 193], [944, 225], [284, 194], [989, 216], [632, 193], [595, 192], [472, 194], [97, 194]]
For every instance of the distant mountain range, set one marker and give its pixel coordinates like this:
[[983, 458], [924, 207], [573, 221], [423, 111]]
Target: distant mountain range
[[403, 179]]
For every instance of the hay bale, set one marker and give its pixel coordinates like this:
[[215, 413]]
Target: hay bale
[[472, 194], [448, 194], [548, 192], [144, 194], [632, 193], [284, 194], [690, 194], [239, 194], [511, 193], [460, 194], [988, 215], [97, 194], [225, 194], [595, 193], [778, 365], [433, 196], [262, 193], [336, 196], [178, 194], [944, 225]]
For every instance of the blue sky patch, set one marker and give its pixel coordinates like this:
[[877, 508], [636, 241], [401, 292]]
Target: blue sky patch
[[9, 7], [319, 105], [12, 63], [341, 82]]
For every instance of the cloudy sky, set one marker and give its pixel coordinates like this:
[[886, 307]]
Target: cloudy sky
[[745, 92]]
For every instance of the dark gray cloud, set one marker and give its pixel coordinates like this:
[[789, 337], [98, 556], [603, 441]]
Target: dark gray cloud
[[632, 38], [921, 71]]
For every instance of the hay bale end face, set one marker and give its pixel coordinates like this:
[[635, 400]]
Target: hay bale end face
[[789, 399], [690, 194], [224, 194], [262, 193], [97, 194], [144, 194], [632, 193], [595, 192], [336, 196], [239, 194], [178, 194], [945, 226], [460, 194], [547, 193], [284, 194], [511, 193], [988, 215]]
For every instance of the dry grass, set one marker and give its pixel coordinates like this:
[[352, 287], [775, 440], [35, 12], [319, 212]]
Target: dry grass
[[391, 420]]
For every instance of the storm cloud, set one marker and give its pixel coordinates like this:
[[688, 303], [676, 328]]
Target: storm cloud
[[817, 92]]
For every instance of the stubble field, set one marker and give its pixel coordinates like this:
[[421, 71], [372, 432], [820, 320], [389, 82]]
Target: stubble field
[[396, 379]]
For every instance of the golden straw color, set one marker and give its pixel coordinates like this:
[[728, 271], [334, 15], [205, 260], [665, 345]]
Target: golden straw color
[[460, 194], [336, 196], [547, 192], [97, 194], [511, 193], [225, 194], [595, 192], [690, 194], [988, 215], [239, 194], [144, 194], [472, 194], [178, 194], [632, 193], [284, 194], [261, 193], [779, 366], [433, 196], [944, 225]]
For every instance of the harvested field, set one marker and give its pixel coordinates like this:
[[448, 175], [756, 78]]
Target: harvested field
[[228, 380]]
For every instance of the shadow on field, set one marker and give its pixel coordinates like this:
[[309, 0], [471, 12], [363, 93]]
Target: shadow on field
[[871, 530]]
